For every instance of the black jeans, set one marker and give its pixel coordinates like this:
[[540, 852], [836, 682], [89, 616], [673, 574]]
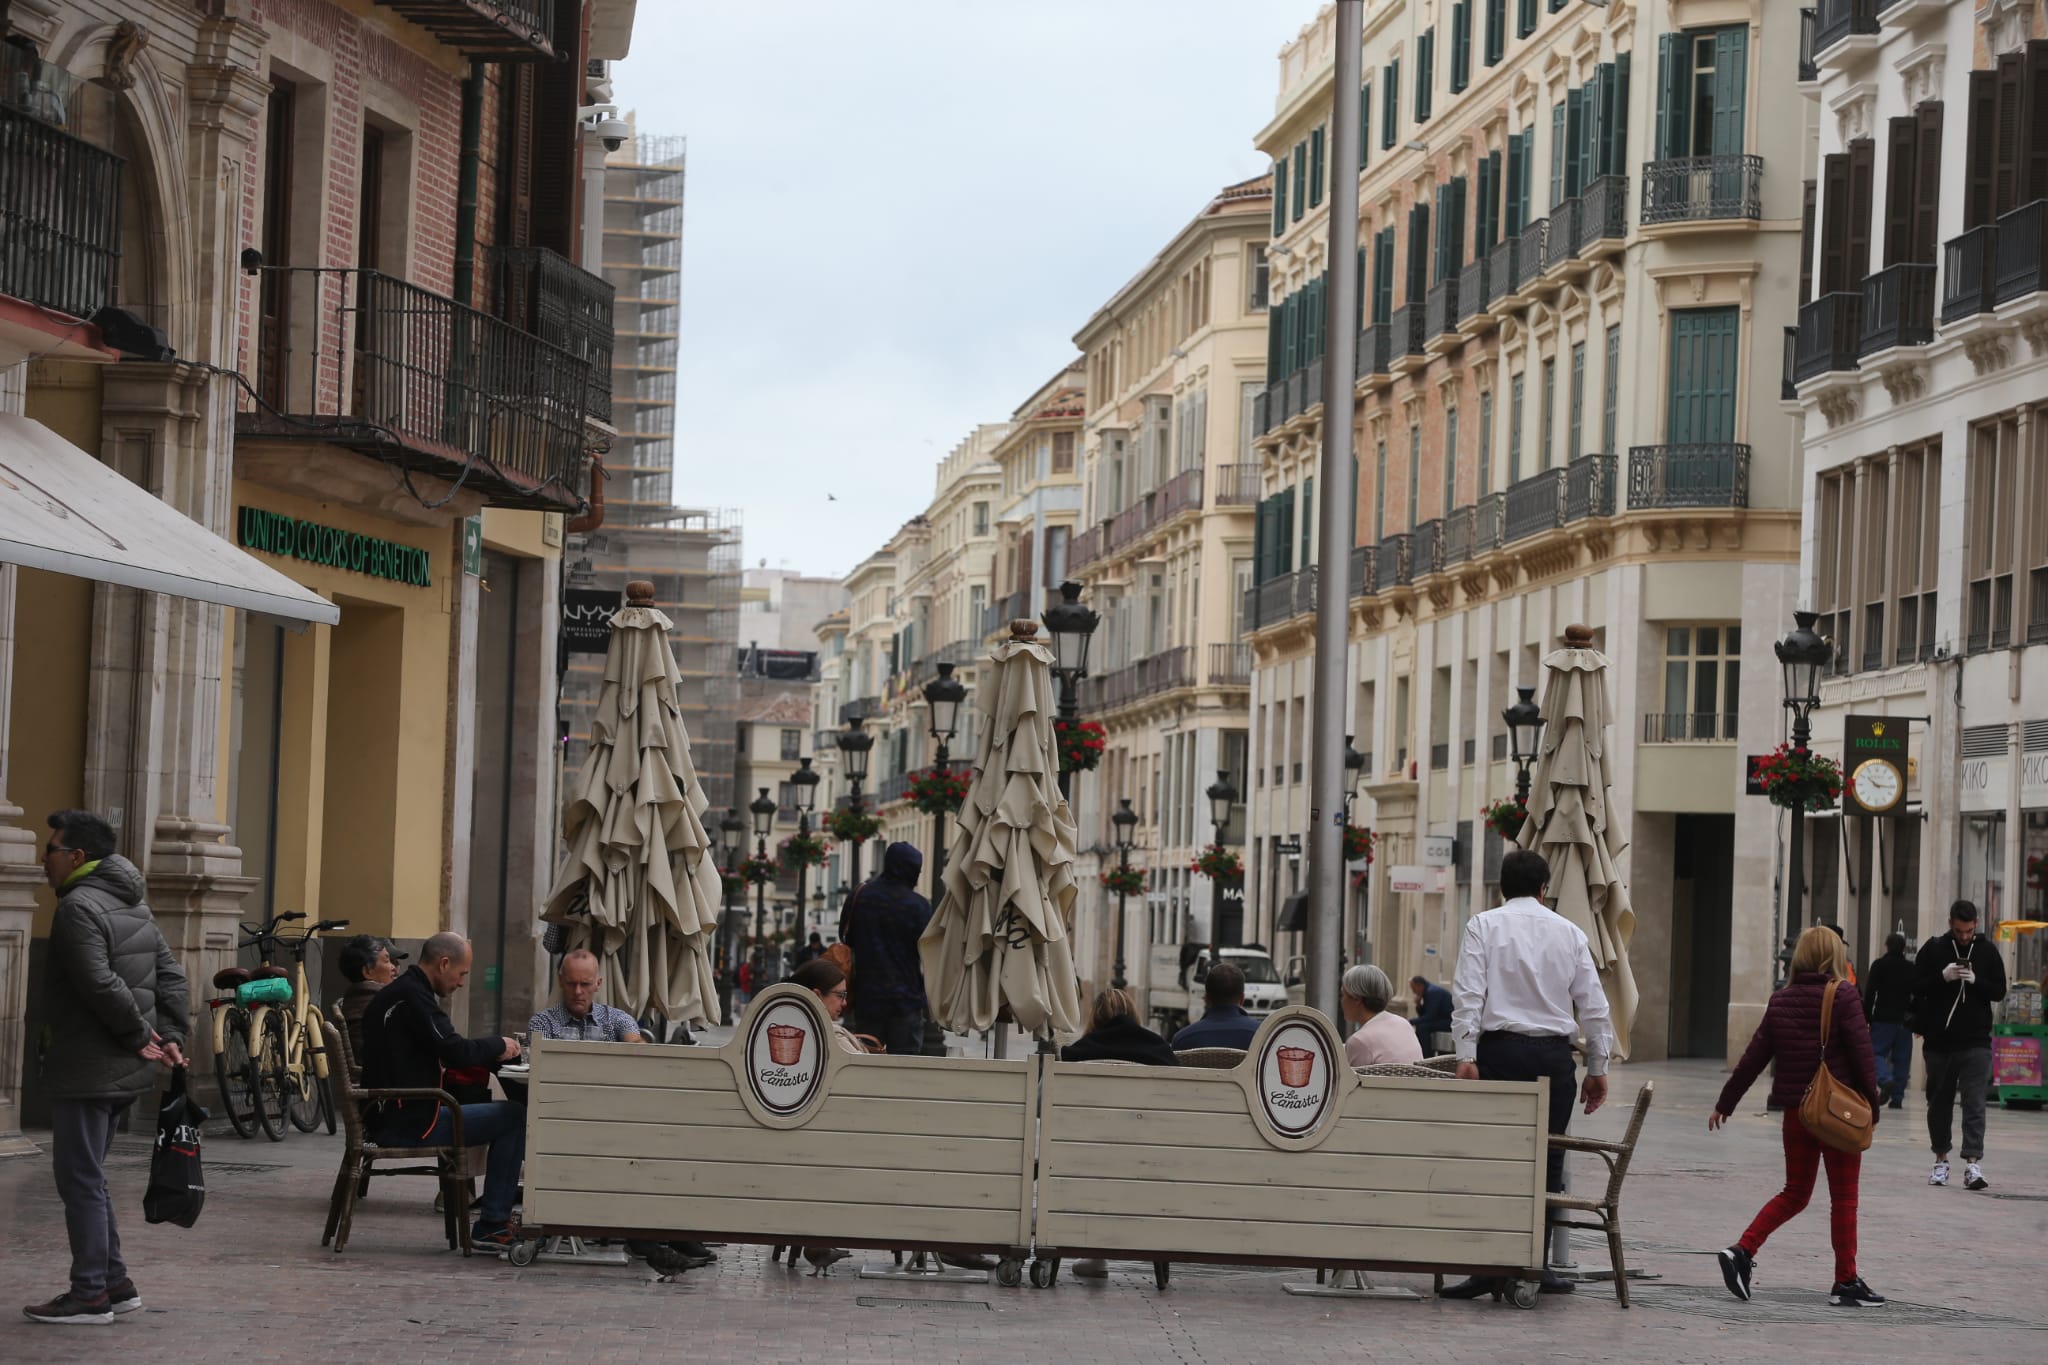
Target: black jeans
[[1964, 1074], [81, 1132], [1524, 1057]]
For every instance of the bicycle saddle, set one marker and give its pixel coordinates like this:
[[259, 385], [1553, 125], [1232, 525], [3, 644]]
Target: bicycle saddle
[[227, 978], [265, 973]]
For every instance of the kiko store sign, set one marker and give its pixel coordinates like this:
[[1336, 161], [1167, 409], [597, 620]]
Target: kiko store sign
[[274, 533]]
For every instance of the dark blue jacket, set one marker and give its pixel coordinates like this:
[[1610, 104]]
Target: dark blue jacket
[[1220, 1026], [1434, 1014], [881, 925]]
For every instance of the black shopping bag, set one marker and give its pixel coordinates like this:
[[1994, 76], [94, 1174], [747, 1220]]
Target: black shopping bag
[[177, 1186]]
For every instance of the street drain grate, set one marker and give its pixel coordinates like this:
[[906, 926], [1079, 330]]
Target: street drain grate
[[871, 1301], [242, 1167], [1795, 1306], [2023, 1198]]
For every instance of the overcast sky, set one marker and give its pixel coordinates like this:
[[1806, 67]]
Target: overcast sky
[[900, 212]]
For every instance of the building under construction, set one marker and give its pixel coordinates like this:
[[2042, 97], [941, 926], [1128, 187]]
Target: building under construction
[[691, 556]]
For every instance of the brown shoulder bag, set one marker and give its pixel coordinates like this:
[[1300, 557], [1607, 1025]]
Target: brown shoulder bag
[[1835, 1114]]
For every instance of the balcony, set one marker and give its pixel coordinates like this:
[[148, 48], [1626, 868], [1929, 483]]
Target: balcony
[[1374, 343], [1968, 274], [1830, 335], [1489, 523], [1561, 247], [1687, 727], [1503, 266], [1085, 548], [60, 217], [1555, 497], [1425, 550], [1835, 20], [361, 360], [1148, 677], [1262, 412], [1237, 485], [550, 296], [1407, 337], [1230, 665], [860, 708], [2037, 613], [1440, 312], [1788, 388], [1391, 564], [1603, 215], [1363, 558], [1475, 292], [504, 30], [1531, 253], [1678, 476], [1809, 69], [2022, 253], [1703, 189], [1898, 308], [1459, 530]]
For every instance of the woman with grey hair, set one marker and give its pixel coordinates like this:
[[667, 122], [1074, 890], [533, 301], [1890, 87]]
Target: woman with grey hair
[[1381, 1037]]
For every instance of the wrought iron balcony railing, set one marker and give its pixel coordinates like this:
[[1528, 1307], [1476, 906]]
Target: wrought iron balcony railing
[[1230, 665], [1391, 564], [1363, 558], [1425, 549], [1441, 307], [1700, 475], [1691, 189], [1531, 253], [1687, 727], [1838, 19], [1085, 548], [1788, 387], [503, 29], [60, 217], [1489, 523], [383, 367], [2022, 253], [1503, 274], [1809, 69], [1474, 288], [1562, 245], [1603, 212], [1830, 335], [1898, 307], [1374, 343], [1969, 272], [551, 296], [1237, 485], [1262, 412], [1407, 333]]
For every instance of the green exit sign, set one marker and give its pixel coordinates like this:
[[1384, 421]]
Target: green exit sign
[[490, 978]]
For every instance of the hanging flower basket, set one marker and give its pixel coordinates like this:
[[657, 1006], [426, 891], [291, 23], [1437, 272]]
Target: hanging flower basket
[[732, 885], [939, 791], [1081, 744], [1799, 781], [757, 871], [852, 826], [802, 850], [1506, 818], [1217, 862], [1125, 881], [1358, 843]]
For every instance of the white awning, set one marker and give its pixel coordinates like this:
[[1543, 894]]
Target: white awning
[[62, 510]]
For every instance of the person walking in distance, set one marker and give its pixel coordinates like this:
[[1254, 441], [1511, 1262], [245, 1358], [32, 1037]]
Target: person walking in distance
[[1790, 1035], [1525, 980], [115, 1005], [882, 923], [1958, 976], [1888, 1002]]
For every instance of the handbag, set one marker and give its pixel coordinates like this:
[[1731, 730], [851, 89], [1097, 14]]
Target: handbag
[[1836, 1115], [177, 1185]]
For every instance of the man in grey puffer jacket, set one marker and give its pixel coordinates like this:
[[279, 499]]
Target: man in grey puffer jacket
[[116, 1004]]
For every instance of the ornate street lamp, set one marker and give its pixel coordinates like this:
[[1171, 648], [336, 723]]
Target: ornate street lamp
[[1525, 729], [1126, 821], [1222, 799], [942, 696], [763, 810], [804, 781], [855, 743], [1072, 626], [1803, 655]]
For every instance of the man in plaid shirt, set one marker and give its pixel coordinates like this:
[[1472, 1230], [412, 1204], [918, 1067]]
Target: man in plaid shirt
[[580, 1017]]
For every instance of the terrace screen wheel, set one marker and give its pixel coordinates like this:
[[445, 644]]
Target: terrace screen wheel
[[1526, 1293], [1009, 1272], [522, 1253]]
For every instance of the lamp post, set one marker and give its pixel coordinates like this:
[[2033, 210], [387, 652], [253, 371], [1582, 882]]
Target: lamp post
[[1125, 820], [855, 743], [1525, 727], [1354, 776], [805, 781], [1071, 626], [762, 808], [732, 833], [1222, 799], [942, 696], [1802, 655]]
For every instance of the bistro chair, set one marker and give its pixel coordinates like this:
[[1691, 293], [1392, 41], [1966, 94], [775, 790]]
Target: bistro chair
[[360, 1155], [1605, 1208], [1211, 1058]]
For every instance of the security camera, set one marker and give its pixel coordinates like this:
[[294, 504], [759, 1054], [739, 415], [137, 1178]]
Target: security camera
[[604, 121]]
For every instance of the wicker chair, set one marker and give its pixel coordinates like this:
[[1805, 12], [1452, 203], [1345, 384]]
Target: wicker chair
[[1412, 1072], [1447, 1063], [1211, 1058], [1606, 1207], [355, 1067], [360, 1155]]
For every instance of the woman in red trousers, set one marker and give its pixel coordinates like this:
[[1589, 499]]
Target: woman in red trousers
[[1790, 1034]]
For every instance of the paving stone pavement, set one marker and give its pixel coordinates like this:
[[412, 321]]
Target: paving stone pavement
[[250, 1283]]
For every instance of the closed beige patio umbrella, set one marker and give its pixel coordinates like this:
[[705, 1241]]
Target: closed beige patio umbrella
[[1001, 935], [641, 887], [1570, 822]]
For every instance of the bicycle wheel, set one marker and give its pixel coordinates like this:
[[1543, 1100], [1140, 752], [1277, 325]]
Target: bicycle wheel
[[234, 1075], [273, 1081]]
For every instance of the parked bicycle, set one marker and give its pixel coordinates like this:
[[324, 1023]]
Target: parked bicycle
[[270, 1056]]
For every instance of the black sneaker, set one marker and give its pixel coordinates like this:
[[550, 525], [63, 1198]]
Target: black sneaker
[[1855, 1294], [1736, 1267], [124, 1298], [68, 1310]]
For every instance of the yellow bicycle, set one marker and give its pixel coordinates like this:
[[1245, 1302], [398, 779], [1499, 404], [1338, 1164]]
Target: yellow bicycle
[[269, 1054]]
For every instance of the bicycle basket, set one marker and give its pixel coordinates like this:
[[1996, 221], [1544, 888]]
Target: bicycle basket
[[271, 990]]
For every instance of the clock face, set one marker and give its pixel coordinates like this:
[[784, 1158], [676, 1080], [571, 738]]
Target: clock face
[[1877, 785]]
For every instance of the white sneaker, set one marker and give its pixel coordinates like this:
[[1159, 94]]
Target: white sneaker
[[1973, 1177], [1939, 1175]]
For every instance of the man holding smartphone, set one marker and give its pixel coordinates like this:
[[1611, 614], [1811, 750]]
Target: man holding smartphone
[[1957, 978]]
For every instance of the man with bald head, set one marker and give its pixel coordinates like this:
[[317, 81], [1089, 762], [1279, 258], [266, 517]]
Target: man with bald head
[[581, 1016], [408, 1041]]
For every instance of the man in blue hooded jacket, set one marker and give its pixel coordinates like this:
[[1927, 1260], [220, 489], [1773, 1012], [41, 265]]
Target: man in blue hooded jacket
[[881, 924]]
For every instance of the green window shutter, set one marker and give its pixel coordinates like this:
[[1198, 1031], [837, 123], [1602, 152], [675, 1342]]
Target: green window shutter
[[1525, 18], [1704, 377], [1450, 459], [1485, 484], [1283, 535], [1280, 196], [1617, 136], [1308, 519], [1364, 121], [1457, 226], [1575, 160], [1299, 203], [1425, 73], [1414, 476], [1516, 394], [1482, 234], [1674, 91], [1383, 276], [1315, 168], [1390, 103], [1611, 395], [1560, 152], [1517, 174], [1379, 495], [1260, 519], [1275, 322], [1360, 302], [1528, 171], [1461, 46], [1576, 421], [1418, 254], [1496, 31], [1731, 85]]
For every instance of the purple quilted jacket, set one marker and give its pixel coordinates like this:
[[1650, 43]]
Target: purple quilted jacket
[[1790, 1035]]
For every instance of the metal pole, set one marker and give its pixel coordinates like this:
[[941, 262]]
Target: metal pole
[[723, 976], [760, 910], [857, 843], [1333, 575], [1070, 711], [803, 914], [939, 834], [1795, 883], [1522, 783], [1116, 978]]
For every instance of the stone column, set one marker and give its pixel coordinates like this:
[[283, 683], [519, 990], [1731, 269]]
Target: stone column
[[20, 874]]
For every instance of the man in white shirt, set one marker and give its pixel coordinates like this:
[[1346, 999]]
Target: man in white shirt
[[1525, 983]]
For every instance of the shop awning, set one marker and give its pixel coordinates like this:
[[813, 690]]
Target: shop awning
[[62, 510]]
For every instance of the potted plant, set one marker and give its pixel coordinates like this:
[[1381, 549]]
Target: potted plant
[[852, 825], [1217, 862], [1506, 818], [757, 871], [938, 791], [1358, 843], [1799, 781], [1080, 743], [1125, 881], [802, 850], [732, 885]]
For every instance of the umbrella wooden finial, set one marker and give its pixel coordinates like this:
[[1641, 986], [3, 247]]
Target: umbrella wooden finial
[[1578, 637], [1024, 628], [640, 593]]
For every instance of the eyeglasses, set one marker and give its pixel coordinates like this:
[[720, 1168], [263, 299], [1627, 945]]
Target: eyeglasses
[[839, 994], [54, 847]]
